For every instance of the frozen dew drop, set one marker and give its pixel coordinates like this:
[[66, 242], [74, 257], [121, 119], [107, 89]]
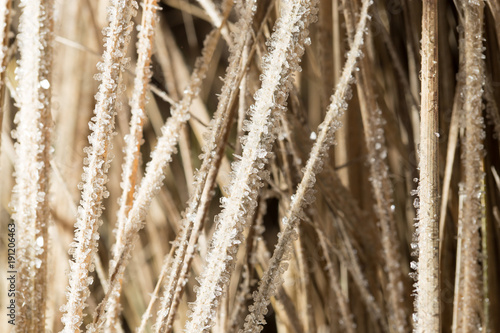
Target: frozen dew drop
[[313, 136], [45, 84], [39, 241]]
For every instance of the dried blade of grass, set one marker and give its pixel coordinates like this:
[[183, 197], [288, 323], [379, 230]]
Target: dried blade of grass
[[286, 49], [459, 269], [486, 306], [398, 66], [352, 262], [472, 163], [5, 13], [303, 196], [94, 176], [200, 115], [289, 314], [450, 158], [350, 216], [133, 141], [427, 317], [30, 199]]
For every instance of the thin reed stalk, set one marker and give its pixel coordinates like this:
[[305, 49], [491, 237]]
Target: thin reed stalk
[[199, 201], [427, 303]]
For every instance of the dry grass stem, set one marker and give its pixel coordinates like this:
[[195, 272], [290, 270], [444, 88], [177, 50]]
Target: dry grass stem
[[427, 304], [33, 133]]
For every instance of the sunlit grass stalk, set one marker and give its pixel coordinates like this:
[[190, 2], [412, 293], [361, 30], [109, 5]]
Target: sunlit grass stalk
[[33, 148], [427, 303], [97, 162], [303, 196], [349, 213]]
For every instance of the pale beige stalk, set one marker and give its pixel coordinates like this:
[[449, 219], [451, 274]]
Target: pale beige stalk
[[97, 163], [30, 198], [427, 304]]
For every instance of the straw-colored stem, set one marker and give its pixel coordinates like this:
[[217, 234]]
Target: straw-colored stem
[[427, 306]]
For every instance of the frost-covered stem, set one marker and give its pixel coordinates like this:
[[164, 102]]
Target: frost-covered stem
[[134, 138], [97, 162], [382, 189], [286, 48], [472, 160], [153, 179], [30, 194], [303, 196], [216, 18], [427, 303], [5, 11]]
